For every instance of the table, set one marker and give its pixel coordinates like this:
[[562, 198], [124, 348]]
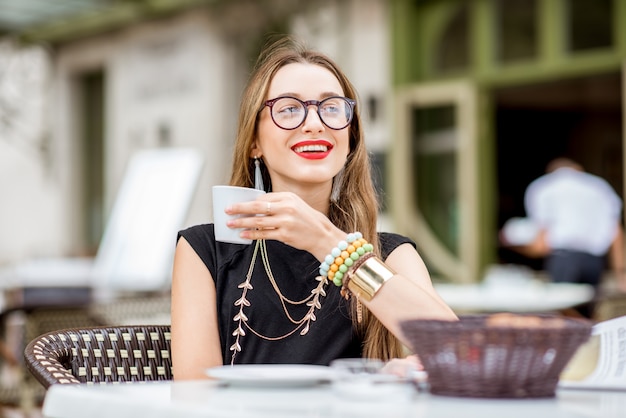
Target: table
[[195, 399], [532, 296]]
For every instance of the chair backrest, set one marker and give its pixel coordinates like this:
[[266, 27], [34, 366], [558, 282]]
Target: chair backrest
[[100, 355], [137, 248]]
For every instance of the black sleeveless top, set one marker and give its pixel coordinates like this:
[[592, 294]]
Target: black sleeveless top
[[330, 335]]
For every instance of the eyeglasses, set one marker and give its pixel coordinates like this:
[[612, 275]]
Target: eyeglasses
[[290, 112]]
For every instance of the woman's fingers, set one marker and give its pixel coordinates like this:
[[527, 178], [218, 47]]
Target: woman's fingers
[[284, 217]]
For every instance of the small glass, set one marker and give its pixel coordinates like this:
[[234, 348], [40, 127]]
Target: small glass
[[365, 380]]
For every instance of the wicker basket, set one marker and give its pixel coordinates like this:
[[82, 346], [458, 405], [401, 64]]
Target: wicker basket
[[474, 358]]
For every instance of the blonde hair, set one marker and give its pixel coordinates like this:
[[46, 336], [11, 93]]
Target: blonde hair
[[356, 208]]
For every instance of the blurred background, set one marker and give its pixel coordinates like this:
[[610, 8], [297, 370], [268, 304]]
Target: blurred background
[[464, 102]]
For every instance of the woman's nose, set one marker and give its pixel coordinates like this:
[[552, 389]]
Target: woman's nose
[[313, 120]]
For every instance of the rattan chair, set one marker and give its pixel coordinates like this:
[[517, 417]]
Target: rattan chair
[[18, 326], [105, 354]]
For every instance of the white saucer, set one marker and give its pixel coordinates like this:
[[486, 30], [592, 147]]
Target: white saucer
[[274, 375]]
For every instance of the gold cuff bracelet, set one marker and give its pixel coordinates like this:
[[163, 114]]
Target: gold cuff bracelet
[[369, 277]]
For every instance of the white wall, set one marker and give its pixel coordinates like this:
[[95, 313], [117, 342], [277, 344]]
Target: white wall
[[178, 74], [27, 203], [179, 77]]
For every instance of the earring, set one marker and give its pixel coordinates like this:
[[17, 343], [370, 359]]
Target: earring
[[258, 177], [337, 184]]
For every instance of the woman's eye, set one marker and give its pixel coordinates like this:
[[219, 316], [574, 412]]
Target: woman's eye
[[289, 110], [330, 108]]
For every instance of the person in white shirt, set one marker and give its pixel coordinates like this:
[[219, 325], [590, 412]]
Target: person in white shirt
[[578, 215]]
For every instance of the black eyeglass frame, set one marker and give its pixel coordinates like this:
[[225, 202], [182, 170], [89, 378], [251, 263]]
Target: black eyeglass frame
[[270, 103]]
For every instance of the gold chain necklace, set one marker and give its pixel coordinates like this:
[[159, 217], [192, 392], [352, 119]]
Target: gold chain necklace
[[282, 298], [312, 301]]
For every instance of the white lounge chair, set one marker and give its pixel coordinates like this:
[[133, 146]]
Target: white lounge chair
[[137, 247]]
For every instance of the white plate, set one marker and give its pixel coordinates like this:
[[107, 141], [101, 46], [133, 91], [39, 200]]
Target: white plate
[[272, 374]]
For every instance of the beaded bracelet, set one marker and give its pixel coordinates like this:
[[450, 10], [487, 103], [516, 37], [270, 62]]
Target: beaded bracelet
[[343, 256]]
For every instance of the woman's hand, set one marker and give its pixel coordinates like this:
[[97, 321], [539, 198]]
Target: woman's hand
[[289, 219], [403, 367]]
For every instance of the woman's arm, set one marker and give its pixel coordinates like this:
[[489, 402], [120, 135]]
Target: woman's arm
[[407, 295], [195, 335]]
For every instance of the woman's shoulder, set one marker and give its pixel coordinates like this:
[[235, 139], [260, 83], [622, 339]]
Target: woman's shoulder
[[202, 236], [202, 239], [202, 232], [389, 241]]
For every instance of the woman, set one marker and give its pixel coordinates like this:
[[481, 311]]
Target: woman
[[273, 301]]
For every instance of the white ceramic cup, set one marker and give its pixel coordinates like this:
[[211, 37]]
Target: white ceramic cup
[[224, 196]]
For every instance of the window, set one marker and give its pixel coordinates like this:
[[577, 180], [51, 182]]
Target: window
[[453, 50], [435, 146], [379, 167], [590, 24], [516, 30]]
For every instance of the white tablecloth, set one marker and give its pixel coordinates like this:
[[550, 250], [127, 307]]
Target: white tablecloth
[[530, 296], [208, 399]]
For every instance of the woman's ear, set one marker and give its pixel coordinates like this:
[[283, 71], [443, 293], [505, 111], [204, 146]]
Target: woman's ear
[[255, 152]]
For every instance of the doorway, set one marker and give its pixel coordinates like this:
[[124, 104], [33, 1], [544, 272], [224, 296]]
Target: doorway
[[580, 118], [92, 106]]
